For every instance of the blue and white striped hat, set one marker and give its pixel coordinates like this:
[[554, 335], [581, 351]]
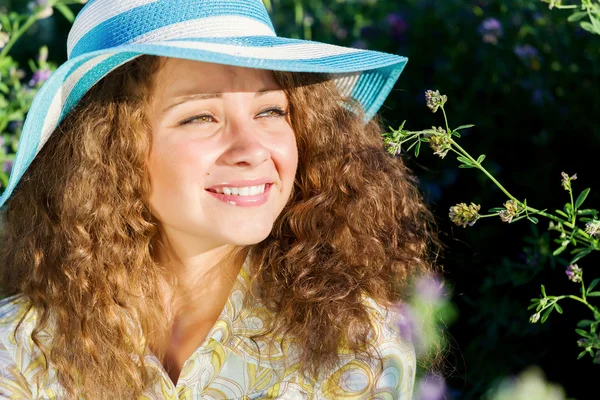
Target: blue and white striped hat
[[109, 33]]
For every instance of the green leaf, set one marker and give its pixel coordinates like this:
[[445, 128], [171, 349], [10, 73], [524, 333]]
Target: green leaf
[[481, 158], [559, 250], [463, 127], [593, 284], [559, 212], [584, 323], [456, 134], [581, 198], [588, 211], [589, 27], [577, 16], [543, 290], [593, 294], [496, 209], [533, 219], [581, 254], [532, 306], [418, 149], [463, 159], [546, 314], [3, 88], [558, 308], [465, 166], [583, 353], [66, 11], [583, 333]]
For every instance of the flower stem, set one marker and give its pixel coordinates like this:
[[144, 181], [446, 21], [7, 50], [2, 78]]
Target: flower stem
[[14, 37]]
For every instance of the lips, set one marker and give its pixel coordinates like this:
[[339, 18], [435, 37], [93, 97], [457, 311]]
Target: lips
[[244, 199]]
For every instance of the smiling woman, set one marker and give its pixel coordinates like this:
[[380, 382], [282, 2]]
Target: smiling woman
[[182, 224]]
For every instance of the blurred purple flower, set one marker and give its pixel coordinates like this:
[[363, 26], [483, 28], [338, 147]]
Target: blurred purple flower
[[529, 55], [397, 23], [7, 167], [359, 44], [406, 323], [490, 30], [429, 289], [431, 387], [14, 126], [40, 76], [369, 32]]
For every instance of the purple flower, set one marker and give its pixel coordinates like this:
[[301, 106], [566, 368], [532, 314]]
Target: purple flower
[[490, 30], [529, 55], [359, 44], [397, 23], [574, 273], [14, 126], [7, 167], [431, 387], [429, 289], [40, 76]]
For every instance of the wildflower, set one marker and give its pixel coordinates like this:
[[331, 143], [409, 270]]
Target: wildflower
[[397, 23], [40, 76], [512, 209], [464, 215], [534, 318], [41, 7], [566, 180], [429, 289], [4, 39], [431, 387], [574, 273], [490, 30], [440, 143], [7, 167], [593, 228], [435, 100], [530, 55]]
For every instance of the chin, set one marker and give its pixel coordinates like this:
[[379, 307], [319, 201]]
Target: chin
[[247, 237]]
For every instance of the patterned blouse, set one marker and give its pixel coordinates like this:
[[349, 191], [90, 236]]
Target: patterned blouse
[[227, 364]]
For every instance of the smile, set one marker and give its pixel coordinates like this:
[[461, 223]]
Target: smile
[[245, 196]]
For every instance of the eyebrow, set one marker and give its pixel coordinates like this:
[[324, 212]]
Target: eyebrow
[[206, 96]]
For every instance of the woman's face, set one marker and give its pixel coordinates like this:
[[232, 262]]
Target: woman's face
[[223, 156]]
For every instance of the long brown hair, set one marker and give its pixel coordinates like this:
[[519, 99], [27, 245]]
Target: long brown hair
[[78, 237]]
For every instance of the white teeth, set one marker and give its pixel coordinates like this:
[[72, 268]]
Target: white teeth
[[242, 191]]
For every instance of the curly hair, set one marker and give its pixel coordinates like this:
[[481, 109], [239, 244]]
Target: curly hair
[[79, 237]]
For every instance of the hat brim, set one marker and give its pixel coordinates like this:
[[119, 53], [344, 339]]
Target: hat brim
[[367, 76]]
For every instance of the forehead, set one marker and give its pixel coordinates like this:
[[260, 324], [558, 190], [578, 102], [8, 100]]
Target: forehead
[[175, 75]]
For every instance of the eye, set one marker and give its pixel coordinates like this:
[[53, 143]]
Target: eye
[[198, 119], [276, 112]]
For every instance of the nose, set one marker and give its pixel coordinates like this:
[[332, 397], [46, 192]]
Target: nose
[[245, 145]]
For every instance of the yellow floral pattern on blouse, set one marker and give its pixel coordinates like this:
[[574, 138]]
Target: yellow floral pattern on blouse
[[227, 365]]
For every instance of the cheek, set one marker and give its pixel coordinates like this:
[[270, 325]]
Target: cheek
[[286, 157], [177, 166]]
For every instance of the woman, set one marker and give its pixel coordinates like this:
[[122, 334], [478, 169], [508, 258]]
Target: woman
[[182, 224]]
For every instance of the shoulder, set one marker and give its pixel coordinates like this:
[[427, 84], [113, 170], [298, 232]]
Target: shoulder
[[390, 374], [15, 311], [16, 348]]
